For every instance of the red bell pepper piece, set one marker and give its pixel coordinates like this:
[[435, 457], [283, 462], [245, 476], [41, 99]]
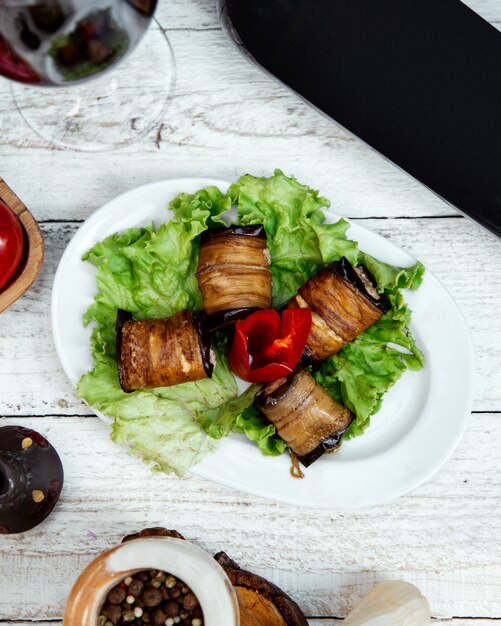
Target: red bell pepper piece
[[14, 66], [266, 348], [11, 244]]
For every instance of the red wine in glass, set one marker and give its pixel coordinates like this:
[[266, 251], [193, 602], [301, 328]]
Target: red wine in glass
[[61, 43]]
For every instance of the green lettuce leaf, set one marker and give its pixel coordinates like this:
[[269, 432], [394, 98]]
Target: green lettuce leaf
[[392, 278], [300, 243], [219, 421], [160, 425], [151, 273], [252, 423], [240, 416], [205, 206], [363, 371]]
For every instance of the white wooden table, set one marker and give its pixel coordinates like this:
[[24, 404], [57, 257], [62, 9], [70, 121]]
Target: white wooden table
[[228, 118]]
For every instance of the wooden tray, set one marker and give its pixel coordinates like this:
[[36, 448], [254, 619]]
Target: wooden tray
[[34, 249]]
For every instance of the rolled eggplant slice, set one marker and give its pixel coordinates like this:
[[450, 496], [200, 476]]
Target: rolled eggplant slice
[[233, 273], [322, 340], [162, 352], [305, 416], [344, 303]]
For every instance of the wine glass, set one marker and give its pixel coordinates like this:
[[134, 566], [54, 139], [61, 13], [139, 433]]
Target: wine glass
[[62, 56]]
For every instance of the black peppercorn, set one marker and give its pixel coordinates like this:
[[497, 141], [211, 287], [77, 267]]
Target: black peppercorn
[[151, 597], [172, 609], [116, 595], [158, 617], [113, 612], [175, 593], [136, 588], [190, 601], [128, 602]]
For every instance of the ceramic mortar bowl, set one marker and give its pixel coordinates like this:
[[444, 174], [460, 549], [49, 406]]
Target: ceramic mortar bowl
[[182, 559]]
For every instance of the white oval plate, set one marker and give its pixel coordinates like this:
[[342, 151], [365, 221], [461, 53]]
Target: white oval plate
[[417, 428]]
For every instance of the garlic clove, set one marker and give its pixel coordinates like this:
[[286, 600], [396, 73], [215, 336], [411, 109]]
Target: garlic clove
[[392, 603]]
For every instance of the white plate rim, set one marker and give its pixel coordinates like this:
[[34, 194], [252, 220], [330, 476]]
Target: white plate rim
[[215, 465]]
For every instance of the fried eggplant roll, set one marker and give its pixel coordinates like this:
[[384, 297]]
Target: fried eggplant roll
[[305, 415], [162, 352], [233, 273], [344, 302]]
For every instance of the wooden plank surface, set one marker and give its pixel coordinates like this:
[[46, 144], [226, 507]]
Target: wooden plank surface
[[227, 118], [201, 14], [490, 10], [222, 105], [455, 250], [443, 537], [221, 123]]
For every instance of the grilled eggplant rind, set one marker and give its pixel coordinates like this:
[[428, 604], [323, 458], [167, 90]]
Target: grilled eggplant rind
[[305, 416], [162, 352], [344, 302], [234, 273]]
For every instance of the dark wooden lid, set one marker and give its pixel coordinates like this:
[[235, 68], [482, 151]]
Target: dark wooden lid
[[31, 479]]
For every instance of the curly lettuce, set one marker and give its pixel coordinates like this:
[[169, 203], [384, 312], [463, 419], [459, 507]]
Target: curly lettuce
[[301, 244], [363, 371], [152, 273]]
